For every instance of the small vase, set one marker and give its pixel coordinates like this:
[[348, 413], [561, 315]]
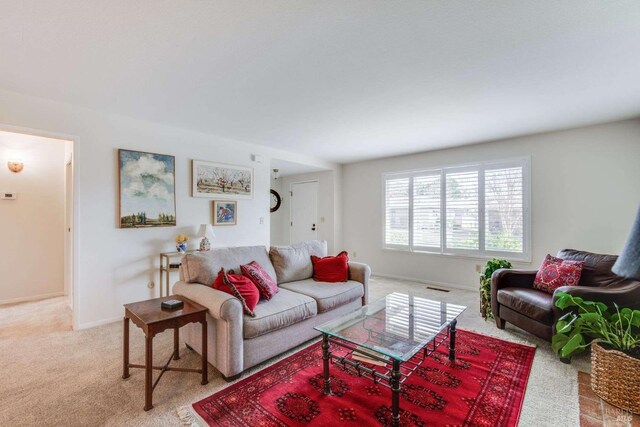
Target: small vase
[[182, 247]]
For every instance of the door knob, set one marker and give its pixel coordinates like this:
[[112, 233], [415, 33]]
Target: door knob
[[313, 227]]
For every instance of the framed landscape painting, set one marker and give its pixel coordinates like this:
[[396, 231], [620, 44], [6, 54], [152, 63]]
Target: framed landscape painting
[[220, 181], [147, 189], [225, 212]]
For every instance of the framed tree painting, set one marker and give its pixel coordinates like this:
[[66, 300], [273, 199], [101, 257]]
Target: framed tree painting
[[225, 212], [147, 189], [221, 181]]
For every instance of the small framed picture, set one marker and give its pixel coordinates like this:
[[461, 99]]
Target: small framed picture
[[225, 212]]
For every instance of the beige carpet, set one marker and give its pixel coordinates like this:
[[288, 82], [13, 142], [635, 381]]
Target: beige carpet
[[52, 376]]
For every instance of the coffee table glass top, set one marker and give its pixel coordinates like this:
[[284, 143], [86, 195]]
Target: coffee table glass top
[[397, 326]]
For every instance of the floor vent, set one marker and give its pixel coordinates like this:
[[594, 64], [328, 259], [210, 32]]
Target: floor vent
[[437, 289]]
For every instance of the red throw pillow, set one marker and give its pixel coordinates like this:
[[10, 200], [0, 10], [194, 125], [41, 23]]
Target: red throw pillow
[[555, 272], [331, 268], [261, 279], [240, 287]]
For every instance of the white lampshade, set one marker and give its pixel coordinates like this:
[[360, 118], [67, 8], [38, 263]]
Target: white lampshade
[[206, 230]]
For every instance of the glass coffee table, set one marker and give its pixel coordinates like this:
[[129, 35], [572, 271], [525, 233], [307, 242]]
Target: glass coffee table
[[387, 340]]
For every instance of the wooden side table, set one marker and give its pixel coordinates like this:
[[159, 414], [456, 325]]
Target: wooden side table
[[153, 319]]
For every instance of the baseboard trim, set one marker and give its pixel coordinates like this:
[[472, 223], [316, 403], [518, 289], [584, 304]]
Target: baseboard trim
[[31, 298], [95, 323], [426, 282]]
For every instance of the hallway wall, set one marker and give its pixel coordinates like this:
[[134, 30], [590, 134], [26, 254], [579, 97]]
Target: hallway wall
[[32, 226]]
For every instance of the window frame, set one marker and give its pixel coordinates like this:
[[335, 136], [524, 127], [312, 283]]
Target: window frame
[[443, 250]]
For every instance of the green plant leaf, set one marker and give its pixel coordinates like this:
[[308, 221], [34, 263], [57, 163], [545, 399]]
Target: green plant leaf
[[572, 346], [558, 341], [635, 319], [561, 325], [591, 317]]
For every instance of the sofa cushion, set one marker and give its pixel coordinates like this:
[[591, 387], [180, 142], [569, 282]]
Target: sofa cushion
[[532, 303], [293, 262], [327, 295], [331, 268], [265, 284], [556, 272], [203, 267], [240, 287], [597, 267], [285, 308]]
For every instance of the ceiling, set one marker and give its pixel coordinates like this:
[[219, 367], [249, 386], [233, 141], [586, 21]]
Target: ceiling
[[286, 168], [342, 81]]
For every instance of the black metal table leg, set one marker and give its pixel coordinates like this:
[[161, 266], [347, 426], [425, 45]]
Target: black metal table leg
[[452, 340], [325, 363], [395, 394]]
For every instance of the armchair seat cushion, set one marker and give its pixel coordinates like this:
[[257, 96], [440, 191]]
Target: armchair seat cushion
[[327, 295], [532, 303], [283, 309]]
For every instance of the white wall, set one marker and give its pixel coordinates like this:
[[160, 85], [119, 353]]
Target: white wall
[[279, 232], [329, 215], [32, 227], [585, 192], [113, 266]]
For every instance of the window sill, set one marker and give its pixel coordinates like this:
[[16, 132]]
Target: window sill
[[520, 260]]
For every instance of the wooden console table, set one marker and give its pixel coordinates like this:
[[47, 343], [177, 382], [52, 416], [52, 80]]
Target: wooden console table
[[153, 319], [166, 269]]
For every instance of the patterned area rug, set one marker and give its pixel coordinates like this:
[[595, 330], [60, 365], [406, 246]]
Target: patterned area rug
[[484, 387]]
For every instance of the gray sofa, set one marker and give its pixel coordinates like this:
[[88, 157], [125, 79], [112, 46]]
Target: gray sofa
[[237, 341]]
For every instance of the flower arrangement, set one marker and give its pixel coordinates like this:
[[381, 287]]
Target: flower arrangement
[[181, 238], [181, 243]]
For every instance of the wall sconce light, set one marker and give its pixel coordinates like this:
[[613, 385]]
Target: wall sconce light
[[15, 166], [276, 173]]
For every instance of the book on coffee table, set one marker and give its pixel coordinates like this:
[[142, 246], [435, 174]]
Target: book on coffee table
[[362, 356]]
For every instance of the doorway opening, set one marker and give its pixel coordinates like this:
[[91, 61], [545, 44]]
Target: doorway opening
[[305, 203], [36, 221]]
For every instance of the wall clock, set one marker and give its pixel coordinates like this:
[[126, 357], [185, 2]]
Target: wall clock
[[276, 201]]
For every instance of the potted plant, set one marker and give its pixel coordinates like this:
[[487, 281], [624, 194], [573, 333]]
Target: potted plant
[[614, 337], [485, 285]]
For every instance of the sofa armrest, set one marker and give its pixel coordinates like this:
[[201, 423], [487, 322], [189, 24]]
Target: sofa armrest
[[624, 295], [509, 278], [220, 304], [224, 319], [361, 273]]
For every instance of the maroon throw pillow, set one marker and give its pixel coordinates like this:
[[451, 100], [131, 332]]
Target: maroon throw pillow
[[260, 279], [555, 272], [240, 287], [331, 268]]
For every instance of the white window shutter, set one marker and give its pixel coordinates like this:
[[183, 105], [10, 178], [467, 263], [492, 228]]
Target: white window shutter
[[427, 212], [462, 231], [396, 212], [504, 209]]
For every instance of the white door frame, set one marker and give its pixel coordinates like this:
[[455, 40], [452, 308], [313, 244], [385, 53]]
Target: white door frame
[[75, 155], [291, 205]]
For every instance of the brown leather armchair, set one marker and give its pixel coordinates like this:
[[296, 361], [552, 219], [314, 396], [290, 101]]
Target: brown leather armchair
[[514, 300]]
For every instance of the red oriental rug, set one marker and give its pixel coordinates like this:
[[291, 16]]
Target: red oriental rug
[[484, 387]]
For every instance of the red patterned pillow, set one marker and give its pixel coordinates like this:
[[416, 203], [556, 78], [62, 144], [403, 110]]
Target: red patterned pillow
[[240, 287], [331, 268], [555, 272], [261, 279]]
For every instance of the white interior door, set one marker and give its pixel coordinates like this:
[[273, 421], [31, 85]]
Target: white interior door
[[304, 211]]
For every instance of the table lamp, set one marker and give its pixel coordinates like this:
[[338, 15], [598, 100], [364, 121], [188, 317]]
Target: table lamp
[[628, 263], [206, 230]]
